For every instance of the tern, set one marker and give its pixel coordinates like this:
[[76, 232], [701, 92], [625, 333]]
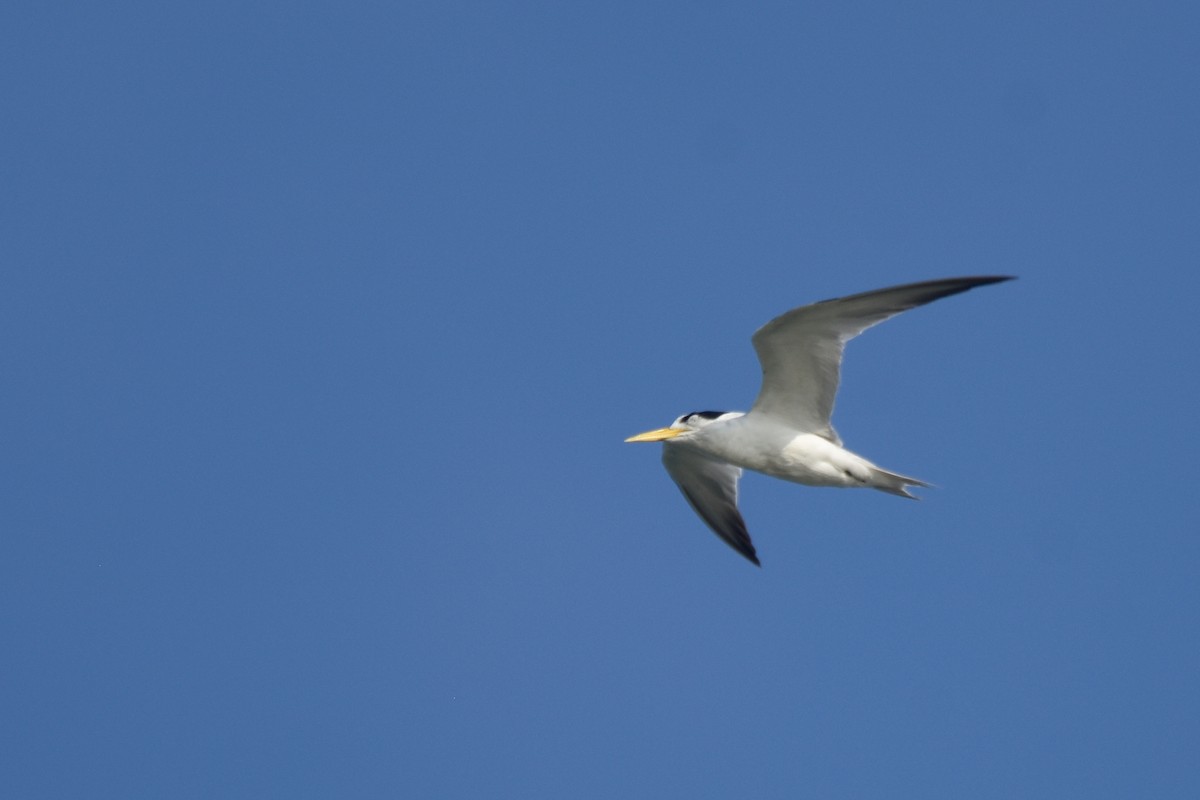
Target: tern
[[787, 433]]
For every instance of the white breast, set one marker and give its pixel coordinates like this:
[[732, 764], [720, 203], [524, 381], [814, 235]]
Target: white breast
[[764, 446]]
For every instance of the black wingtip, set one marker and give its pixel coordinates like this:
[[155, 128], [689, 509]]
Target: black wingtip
[[946, 287], [743, 547], [924, 292], [983, 280]]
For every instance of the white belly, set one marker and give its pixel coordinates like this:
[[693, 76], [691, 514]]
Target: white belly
[[783, 453]]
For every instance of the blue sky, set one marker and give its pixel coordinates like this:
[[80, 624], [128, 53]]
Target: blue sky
[[321, 326]]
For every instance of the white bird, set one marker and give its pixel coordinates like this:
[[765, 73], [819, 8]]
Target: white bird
[[787, 433]]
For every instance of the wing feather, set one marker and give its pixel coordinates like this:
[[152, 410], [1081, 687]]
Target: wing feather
[[711, 488], [801, 350]]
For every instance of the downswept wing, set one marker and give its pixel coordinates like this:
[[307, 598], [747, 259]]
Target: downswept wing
[[801, 351], [711, 488]]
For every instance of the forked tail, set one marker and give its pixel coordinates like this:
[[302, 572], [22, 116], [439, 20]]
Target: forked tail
[[893, 483]]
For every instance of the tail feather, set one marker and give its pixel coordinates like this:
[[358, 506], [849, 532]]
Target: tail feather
[[894, 483]]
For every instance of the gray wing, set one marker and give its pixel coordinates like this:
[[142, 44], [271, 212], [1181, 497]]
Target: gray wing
[[801, 351], [711, 487]]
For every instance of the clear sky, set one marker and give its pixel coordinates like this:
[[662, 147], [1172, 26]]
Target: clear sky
[[321, 326]]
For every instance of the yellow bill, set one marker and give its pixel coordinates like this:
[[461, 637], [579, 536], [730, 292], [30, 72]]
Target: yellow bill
[[657, 435]]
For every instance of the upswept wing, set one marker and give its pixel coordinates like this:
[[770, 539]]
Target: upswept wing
[[711, 487], [801, 351]]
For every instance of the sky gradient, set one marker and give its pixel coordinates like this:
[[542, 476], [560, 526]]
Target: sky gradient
[[321, 327]]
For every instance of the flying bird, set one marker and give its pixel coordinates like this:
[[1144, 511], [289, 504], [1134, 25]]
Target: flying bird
[[787, 433]]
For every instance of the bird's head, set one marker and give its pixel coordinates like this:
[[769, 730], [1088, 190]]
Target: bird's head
[[684, 425]]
